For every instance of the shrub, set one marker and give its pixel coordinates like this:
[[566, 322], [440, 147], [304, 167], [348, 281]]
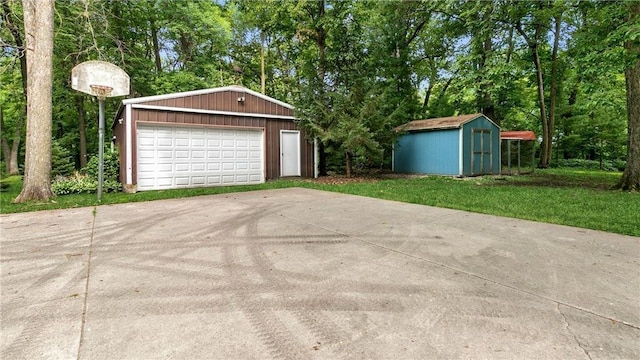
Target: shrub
[[111, 169], [607, 165], [82, 184], [61, 160], [620, 164]]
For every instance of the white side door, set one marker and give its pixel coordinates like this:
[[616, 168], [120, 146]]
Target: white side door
[[289, 153]]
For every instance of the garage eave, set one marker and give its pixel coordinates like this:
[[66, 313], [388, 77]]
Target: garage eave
[[211, 112], [204, 92]]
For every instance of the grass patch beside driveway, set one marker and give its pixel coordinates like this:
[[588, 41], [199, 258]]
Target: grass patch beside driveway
[[522, 197], [559, 196]]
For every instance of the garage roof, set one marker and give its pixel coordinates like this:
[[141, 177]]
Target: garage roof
[[203, 92], [450, 122]]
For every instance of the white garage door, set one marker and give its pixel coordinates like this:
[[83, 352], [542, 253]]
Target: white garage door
[[184, 157]]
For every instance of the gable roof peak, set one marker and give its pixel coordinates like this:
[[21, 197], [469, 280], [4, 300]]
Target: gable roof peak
[[204, 92], [448, 122]]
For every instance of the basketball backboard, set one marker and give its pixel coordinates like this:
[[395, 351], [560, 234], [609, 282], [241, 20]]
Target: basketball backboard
[[100, 78]]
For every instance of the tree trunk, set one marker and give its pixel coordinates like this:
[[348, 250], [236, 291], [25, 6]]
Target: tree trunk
[[348, 164], [510, 46], [544, 154], [38, 25], [82, 127], [427, 95], [444, 89], [4, 143], [156, 46], [263, 81], [12, 166], [533, 46], [631, 177], [321, 42], [488, 107], [10, 153], [554, 87], [484, 47], [17, 37], [322, 160]]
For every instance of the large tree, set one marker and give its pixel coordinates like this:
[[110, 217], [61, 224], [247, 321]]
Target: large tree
[[532, 20], [631, 176], [12, 138], [38, 27]]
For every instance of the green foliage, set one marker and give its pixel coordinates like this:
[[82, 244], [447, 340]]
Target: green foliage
[[382, 64], [111, 167], [606, 165], [61, 161], [82, 184], [177, 81]]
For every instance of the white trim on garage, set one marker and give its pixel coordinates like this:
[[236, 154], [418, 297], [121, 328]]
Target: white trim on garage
[[129, 146], [203, 92], [211, 112], [172, 156]]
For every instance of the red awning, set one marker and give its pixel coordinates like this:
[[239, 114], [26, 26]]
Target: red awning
[[518, 135]]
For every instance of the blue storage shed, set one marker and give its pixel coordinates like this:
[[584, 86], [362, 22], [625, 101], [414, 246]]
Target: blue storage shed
[[465, 145]]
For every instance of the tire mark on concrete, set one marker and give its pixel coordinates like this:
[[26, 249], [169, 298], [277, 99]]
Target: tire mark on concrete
[[274, 335], [195, 244], [247, 282], [271, 332]]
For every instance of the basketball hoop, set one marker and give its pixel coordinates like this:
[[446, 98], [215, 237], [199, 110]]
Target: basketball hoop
[[101, 91], [100, 78], [87, 77]]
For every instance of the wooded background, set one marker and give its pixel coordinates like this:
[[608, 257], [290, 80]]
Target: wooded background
[[353, 69]]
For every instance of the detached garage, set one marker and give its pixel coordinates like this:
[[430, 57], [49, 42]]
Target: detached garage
[[464, 145], [211, 137]]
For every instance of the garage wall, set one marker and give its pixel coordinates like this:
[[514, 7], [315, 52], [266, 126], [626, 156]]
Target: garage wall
[[272, 135], [119, 132], [226, 101]]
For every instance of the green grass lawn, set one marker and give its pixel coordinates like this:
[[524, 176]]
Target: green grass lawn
[[558, 196]]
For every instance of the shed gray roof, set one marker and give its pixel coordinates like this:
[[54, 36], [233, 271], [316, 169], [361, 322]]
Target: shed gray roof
[[450, 122]]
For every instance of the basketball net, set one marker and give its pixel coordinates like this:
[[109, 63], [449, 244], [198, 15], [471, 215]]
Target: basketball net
[[101, 91]]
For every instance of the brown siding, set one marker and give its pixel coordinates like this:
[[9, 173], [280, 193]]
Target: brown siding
[[272, 129], [226, 101]]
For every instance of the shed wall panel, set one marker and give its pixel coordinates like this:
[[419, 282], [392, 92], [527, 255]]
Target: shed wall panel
[[429, 152]]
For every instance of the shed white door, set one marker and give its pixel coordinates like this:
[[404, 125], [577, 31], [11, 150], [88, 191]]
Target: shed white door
[[290, 152], [172, 157]]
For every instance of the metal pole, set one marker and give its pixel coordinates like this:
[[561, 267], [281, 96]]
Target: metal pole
[[519, 156], [509, 155], [533, 156], [100, 148]]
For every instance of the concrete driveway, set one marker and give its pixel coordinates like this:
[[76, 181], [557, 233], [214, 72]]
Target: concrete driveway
[[305, 274]]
